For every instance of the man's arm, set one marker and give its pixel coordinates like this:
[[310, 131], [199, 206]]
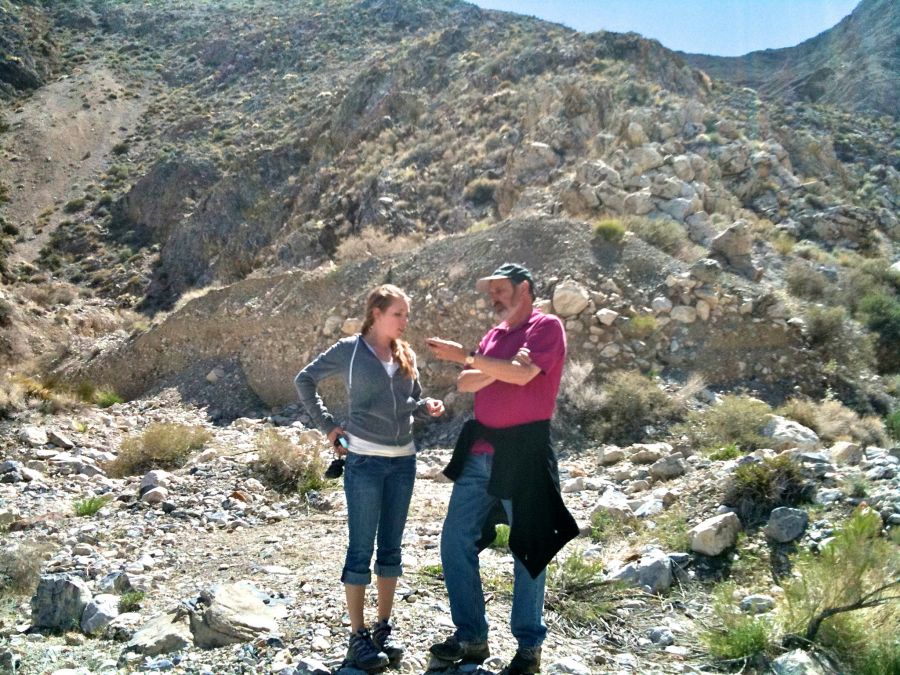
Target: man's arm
[[485, 369]]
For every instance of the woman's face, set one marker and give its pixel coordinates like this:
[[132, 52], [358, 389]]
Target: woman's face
[[392, 321]]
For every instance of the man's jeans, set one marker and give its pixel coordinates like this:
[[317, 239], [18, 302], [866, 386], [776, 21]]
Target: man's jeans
[[470, 504], [378, 492]]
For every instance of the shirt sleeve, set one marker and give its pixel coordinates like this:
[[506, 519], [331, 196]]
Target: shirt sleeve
[[546, 342], [327, 364]]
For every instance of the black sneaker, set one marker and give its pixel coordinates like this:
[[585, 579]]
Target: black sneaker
[[527, 661], [454, 649], [383, 640], [363, 654]]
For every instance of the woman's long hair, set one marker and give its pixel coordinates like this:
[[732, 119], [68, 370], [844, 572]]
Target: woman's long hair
[[382, 297]]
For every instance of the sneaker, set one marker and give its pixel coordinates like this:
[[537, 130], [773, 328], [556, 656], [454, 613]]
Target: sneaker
[[363, 654], [527, 661], [381, 637], [454, 649]]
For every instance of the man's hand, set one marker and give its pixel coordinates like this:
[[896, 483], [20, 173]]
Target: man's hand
[[446, 350], [523, 357], [434, 407]]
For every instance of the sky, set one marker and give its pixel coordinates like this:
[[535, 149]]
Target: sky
[[720, 27]]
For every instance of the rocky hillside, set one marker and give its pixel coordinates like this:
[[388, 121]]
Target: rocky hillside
[[852, 66], [195, 198]]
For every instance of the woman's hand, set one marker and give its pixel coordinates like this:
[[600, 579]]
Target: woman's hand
[[333, 436], [434, 407]]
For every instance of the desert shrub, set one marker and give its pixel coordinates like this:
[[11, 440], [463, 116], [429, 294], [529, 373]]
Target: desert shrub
[[754, 489], [639, 327], [666, 235], [609, 230], [75, 205], [856, 486], [287, 466], [738, 636], [161, 446], [12, 397], [629, 403], [783, 243], [671, 530], [805, 281], [90, 505], [833, 334], [882, 315], [480, 191], [20, 566], [4, 193], [120, 148], [576, 590], [858, 571], [130, 601], [50, 295], [606, 527], [735, 419]]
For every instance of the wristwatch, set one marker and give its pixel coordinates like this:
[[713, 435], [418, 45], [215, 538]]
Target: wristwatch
[[470, 359]]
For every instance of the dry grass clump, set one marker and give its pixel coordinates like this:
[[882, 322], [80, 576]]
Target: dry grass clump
[[20, 566], [161, 446], [50, 295], [371, 242], [833, 421], [287, 466], [666, 235], [610, 230], [734, 419], [806, 282], [21, 392]]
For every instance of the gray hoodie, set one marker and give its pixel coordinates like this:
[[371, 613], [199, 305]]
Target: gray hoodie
[[381, 406]]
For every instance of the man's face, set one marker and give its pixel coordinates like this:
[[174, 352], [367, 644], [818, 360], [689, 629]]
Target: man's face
[[505, 296]]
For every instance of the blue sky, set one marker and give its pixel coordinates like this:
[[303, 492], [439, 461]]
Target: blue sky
[[723, 27]]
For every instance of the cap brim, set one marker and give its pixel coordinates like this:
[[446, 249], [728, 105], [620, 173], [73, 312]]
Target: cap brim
[[483, 285]]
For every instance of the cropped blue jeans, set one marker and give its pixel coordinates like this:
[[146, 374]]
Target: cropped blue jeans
[[378, 492]]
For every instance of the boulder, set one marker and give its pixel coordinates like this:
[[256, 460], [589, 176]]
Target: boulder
[[570, 298], [798, 662], [161, 635], [231, 614], [786, 434], [33, 436], [652, 572], [59, 602], [666, 468], [647, 453], [99, 613], [757, 604], [786, 524], [715, 534], [614, 503], [846, 452]]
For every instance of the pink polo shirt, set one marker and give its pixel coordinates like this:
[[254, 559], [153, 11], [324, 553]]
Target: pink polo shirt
[[501, 404]]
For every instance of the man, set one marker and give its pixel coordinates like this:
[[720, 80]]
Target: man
[[503, 465]]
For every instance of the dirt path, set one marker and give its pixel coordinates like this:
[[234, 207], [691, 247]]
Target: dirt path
[[60, 140]]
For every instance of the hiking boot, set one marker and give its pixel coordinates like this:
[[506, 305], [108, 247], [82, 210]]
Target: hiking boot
[[527, 661], [363, 654], [453, 649], [383, 640]]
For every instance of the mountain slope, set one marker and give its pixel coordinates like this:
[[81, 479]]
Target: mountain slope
[[853, 66]]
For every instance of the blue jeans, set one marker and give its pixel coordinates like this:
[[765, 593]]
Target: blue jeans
[[378, 492], [470, 504]]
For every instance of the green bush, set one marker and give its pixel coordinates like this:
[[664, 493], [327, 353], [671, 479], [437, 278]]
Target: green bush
[[130, 601], [161, 446], [892, 422], [639, 327], [501, 540], [105, 398], [90, 505], [882, 315], [737, 420], [730, 451], [738, 636], [289, 467], [630, 402], [754, 489], [857, 572], [609, 230]]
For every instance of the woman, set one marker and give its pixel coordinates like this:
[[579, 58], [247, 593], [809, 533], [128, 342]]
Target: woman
[[379, 371]]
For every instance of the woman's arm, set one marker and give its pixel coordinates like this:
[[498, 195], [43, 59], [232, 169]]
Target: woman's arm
[[327, 364]]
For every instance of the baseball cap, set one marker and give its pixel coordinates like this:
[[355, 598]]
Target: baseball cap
[[515, 273]]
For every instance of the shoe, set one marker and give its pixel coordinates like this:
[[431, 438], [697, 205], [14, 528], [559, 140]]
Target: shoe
[[527, 661], [363, 654], [383, 640], [453, 649]]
